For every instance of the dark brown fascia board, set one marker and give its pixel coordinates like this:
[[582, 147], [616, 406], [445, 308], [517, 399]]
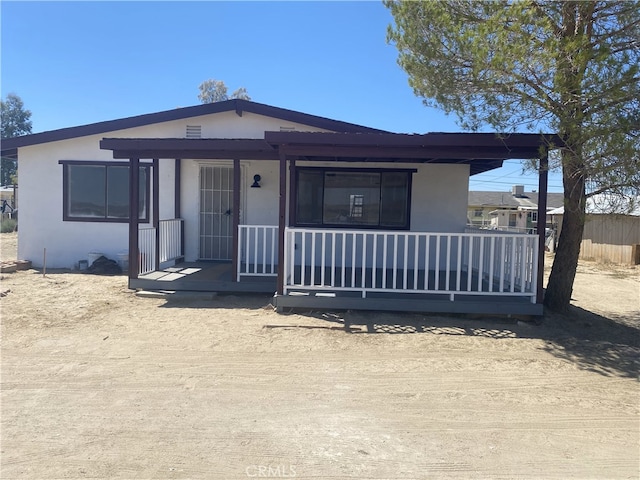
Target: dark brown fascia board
[[195, 155], [425, 153], [515, 140], [483, 166], [211, 148], [260, 149], [10, 153], [236, 105], [185, 143], [306, 119]]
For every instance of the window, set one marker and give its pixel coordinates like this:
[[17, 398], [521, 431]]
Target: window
[[478, 212], [363, 198], [99, 191]]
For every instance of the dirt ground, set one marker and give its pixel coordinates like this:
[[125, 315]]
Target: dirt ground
[[99, 383]]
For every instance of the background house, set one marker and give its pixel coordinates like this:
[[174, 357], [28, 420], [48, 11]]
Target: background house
[[511, 211], [611, 229], [9, 200]]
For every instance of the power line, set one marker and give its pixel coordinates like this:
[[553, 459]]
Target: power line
[[526, 184]]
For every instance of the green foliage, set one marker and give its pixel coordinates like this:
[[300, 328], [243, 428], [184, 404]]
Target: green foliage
[[8, 171], [14, 119], [570, 67], [567, 67], [8, 225], [216, 91]]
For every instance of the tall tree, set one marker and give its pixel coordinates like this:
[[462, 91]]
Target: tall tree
[[8, 171], [216, 91], [570, 67], [15, 120]]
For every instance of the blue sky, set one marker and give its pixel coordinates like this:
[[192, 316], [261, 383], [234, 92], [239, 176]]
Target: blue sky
[[74, 63]]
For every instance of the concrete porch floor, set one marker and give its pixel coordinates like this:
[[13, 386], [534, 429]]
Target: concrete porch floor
[[218, 277], [203, 277]]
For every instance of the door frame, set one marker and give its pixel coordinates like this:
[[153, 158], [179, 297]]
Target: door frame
[[241, 211]]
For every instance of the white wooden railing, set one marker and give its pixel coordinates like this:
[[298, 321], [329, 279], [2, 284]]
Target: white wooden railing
[[170, 239], [170, 245], [146, 250], [487, 263], [257, 250]]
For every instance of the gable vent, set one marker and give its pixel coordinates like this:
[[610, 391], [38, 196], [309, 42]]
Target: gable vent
[[194, 131]]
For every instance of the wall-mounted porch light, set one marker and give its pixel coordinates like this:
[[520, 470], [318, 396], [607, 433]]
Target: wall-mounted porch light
[[256, 181]]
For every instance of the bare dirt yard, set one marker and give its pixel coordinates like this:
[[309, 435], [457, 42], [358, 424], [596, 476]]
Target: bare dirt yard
[[99, 383]]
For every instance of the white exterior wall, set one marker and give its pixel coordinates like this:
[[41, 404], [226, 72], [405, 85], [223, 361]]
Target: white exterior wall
[[40, 220], [439, 198], [41, 225]]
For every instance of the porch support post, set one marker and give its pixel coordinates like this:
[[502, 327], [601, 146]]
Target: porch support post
[[176, 188], [543, 177], [293, 191], [281, 222], [134, 196], [156, 211], [236, 218]]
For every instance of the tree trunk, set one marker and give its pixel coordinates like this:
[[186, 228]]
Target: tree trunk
[[558, 294], [571, 68]]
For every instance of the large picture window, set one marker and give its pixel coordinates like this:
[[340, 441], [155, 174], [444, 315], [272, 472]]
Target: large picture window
[[99, 191], [354, 198]]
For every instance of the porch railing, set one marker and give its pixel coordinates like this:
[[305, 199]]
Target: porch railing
[[169, 248], [146, 250], [257, 250], [484, 263], [171, 239]]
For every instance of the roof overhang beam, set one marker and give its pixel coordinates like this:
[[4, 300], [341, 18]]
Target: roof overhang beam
[[255, 149]]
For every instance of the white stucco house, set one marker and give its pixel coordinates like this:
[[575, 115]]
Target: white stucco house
[[516, 210], [242, 196]]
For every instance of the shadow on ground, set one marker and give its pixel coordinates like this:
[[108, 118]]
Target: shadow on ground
[[248, 301], [606, 345]]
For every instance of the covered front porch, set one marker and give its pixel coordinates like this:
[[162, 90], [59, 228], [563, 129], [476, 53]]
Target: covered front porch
[[471, 272], [346, 268]]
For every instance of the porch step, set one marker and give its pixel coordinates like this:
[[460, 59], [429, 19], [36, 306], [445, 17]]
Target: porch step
[[314, 294], [175, 295], [434, 304]]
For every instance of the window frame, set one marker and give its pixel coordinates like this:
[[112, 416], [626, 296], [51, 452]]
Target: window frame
[[342, 226], [66, 217]]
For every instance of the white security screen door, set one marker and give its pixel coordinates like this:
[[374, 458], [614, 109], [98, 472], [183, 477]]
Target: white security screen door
[[216, 212]]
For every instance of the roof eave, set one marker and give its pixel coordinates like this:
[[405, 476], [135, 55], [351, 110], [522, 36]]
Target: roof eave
[[235, 105]]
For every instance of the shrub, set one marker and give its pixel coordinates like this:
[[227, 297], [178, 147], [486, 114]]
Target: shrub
[[8, 225]]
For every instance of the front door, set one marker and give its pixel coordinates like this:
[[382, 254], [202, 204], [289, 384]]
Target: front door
[[216, 212]]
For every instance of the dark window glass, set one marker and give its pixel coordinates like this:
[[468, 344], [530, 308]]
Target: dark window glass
[[86, 191], [101, 192], [118, 192], [354, 198], [310, 189], [351, 198], [394, 200]]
